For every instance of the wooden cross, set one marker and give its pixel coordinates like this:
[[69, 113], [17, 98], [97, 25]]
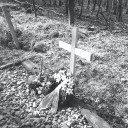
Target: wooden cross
[[75, 51], [7, 16]]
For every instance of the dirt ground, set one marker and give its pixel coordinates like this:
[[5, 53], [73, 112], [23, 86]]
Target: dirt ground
[[103, 83]]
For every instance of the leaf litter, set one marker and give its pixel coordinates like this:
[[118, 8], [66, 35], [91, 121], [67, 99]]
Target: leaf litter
[[18, 109]]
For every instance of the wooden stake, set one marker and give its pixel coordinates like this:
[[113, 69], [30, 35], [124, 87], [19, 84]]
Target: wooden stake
[[6, 14], [73, 46]]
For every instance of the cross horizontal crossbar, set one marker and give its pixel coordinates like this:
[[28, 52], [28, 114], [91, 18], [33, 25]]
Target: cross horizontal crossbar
[[84, 54]]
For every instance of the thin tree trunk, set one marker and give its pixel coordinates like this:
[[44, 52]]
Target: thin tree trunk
[[99, 8], [94, 5], [88, 5], [81, 9], [34, 7], [54, 4], [119, 11], [115, 6], [107, 5], [71, 11], [66, 6]]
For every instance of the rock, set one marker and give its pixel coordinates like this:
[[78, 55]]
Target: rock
[[54, 34], [40, 47]]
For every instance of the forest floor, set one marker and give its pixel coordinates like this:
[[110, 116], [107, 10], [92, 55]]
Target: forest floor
[[103, 83]]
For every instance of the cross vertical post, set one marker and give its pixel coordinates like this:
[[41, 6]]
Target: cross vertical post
[[10, 26], [73, 46]]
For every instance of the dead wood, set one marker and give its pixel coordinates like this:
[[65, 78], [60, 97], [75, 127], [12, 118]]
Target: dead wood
[[31, 67], [88, 112], [94, 119], [19, 61], [14, 63]]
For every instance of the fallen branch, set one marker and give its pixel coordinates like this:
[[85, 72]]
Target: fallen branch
[[94, 119], [20, 60], [57, 96]]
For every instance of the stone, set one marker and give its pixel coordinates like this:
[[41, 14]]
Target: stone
[[40, 47], [54, 34]]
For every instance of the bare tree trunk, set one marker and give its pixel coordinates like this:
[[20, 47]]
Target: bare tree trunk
[[125, 3], [81, 8], [107, 5], [71, 11], [119, 11], [94, 5], [99, 7], [60, 3], [126, 6], [66, 6], [114, 6], [88, 5], [34, 7], [54, 3]]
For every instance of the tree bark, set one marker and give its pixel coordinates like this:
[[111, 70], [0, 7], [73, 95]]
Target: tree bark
[[94, 5], [34, 7], [71, 12], [66, 6], [81, 9], [88, 5], [119, 11]]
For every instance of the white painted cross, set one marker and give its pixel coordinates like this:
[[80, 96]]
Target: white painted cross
[[75, 51]]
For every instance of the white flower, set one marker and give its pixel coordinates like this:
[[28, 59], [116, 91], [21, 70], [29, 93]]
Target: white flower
[[69, 91]]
